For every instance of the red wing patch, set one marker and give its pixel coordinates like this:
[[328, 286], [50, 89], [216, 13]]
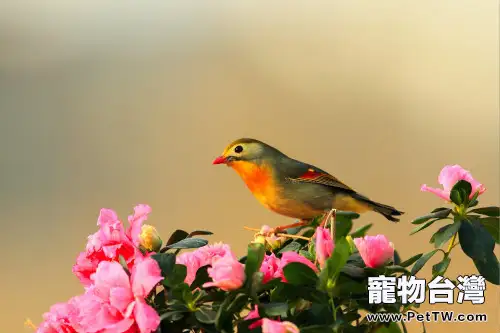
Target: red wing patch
[[313, 176]]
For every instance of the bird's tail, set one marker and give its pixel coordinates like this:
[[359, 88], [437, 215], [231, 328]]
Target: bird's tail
[[387, 211]]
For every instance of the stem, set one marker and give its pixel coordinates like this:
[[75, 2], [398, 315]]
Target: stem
[[451, 245], [293, 236], [334, 309]]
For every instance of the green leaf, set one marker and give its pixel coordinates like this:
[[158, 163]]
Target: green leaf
[[307, 255], [275, 309], [343, 226], [172, 316], [255, 256], [347, 215], [391, 328], [422, 261], [256, 285], [492, 225], [395, 269], [440, 214], [488, 268], [205, 315], [201, 277], [176, 236], [176, 276], [397, 258], [440, 267], [237, 304], [223, 320], [166, 261], [473, 201], [361, 231], [200, 233], [160, 300], [410, 261], [422, 226], [316, 329], [297, 273], [478, 244], [335, 263], [188, 243], [291, 247], [460, 192], [439, 209], [182, 292], [488, 211], [445, 233]]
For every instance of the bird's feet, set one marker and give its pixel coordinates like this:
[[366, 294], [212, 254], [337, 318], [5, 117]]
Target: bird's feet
[[283, 228], [276, 236], [332, 214]]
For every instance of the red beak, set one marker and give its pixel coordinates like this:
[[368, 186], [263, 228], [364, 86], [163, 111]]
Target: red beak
[[219, 160]]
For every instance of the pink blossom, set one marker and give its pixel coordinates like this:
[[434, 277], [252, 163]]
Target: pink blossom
[[375, 250], [273, 326], [136, 220], [254, 314], [324, 245], [227, 273], [110, 242], [211, 253], [192, 262], [116, 302], [289, 257], [206, 255], [448, 177], [61, 318], [270, 267]]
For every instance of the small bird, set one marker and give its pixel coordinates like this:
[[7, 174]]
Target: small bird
[[293, 188]]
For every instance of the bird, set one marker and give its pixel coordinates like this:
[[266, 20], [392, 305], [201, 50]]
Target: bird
[[293, 188]]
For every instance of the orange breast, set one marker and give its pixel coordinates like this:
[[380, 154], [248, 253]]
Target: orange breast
[[258, 179]]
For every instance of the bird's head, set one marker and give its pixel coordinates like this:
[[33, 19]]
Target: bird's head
[[246, 150]]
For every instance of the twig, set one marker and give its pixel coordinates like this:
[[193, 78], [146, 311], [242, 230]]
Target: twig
[[251, 229], [332, 215], [293, 236]]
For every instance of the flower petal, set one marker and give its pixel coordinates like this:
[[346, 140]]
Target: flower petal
[[437, 191], [146, 317], [136, 220], [145, 276], [120, 298], [107, 276]]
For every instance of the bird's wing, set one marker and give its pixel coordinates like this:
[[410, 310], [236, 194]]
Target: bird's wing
[[317, 176]]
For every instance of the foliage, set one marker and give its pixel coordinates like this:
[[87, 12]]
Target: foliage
[[298, 280]]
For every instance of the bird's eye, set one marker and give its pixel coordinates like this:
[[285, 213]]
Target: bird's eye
[[238, 149]]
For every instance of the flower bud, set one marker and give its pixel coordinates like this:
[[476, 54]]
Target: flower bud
[[149, 238], [351, 243]]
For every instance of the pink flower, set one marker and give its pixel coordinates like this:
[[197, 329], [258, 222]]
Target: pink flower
[[192, 262], [62, 317], [211, 253], [227, 273], [375, 250], [136, 220], [110, 242], [206, 255], [324, 245], [116, 302], [254, 314], [273, 326], [289, 257], [448, 177], [270, 267]]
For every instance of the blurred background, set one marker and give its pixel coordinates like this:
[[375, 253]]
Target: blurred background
[[110, 104]]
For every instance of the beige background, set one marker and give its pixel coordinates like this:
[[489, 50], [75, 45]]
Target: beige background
[[112, 104]]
